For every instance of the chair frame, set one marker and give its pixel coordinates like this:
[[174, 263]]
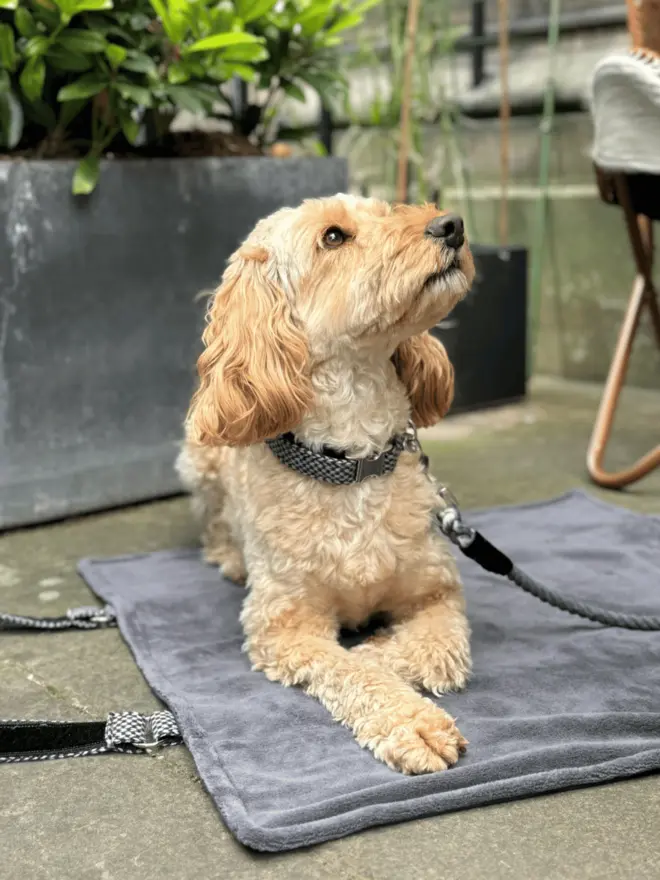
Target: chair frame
[[643, 296]]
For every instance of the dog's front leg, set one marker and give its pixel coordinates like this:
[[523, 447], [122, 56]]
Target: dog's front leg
[[428, 645], [297, 645]]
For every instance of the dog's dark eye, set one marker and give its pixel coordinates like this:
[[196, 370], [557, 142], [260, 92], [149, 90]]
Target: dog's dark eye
[[334, 237]]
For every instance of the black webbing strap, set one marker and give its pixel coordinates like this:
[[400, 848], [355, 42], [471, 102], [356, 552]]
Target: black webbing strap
[[38, 740], [127, 732]]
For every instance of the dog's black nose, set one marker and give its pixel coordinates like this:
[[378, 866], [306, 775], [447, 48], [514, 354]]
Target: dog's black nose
[[449, 228]]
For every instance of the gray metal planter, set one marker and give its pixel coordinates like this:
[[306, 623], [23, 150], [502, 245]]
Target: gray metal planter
[[99, 321], [486, 334]]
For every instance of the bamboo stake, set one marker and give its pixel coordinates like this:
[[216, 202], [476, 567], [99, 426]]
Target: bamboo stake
[[505, 116], [412, 20]]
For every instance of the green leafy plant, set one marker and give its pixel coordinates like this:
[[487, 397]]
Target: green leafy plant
[[87, 77]]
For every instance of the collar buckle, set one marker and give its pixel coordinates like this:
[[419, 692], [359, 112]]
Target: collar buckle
[[369, 467]]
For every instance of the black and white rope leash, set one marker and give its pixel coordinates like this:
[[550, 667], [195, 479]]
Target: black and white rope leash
[[86, 617]]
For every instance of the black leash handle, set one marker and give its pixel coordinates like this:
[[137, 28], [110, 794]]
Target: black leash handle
[[122, 732]]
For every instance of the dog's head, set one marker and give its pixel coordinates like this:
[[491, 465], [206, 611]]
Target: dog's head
[[320, 281]]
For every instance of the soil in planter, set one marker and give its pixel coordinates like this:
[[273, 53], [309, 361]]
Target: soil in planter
[[181, 144]]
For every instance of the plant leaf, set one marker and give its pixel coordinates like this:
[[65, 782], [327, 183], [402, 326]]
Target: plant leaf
[[242, 71], [86, 175], [323, 82], [8, 57], [60, 59], [294, 91], [115, 54], [11, 120], [177, 73], [81, 41], [24, 22], [49, 15], [8, 4], [88, 5], [208, 91], [132, 92], [315, 9], [88, 85], [366, 5], [42, 113], [32, 78], [328, 40], [70, 110], [221, 18], [248, 10], [317, 148], [221, 41], [161, 11], [345, 21], [179, 12], [130, 127], [189, 99], [36, 46], [314, 17], [247, 52], [139, 62], [139, 21]]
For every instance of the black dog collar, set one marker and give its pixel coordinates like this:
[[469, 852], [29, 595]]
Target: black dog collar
[[332, 466]]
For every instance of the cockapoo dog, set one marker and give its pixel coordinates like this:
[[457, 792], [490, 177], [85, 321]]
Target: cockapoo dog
[[320, 328]]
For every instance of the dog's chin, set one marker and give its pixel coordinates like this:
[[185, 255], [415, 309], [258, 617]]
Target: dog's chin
[[450, 280]]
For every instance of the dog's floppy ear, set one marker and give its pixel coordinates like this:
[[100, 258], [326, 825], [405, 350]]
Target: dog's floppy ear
[[253, 371], [426, 371]]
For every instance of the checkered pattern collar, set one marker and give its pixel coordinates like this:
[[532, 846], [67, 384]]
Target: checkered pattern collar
[[333, 466]]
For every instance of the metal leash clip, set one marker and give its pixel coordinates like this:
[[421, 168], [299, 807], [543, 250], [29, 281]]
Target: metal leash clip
[[449, 520], [448, 498], [410, 440]]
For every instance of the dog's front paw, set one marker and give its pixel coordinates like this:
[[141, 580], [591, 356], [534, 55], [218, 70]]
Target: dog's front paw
[[443, 672], [424, 742], [230, 563], [433, 667]]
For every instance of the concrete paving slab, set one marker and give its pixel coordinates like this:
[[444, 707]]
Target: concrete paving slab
[[119, 818]]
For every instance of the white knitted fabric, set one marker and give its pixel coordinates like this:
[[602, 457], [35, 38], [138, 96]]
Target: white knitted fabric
[[625, 104]]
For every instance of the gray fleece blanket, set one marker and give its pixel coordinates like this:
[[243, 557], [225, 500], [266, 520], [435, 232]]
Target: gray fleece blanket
[[554, 702]]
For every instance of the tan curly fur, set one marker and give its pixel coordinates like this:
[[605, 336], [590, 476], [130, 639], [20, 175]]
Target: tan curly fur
[[329, 339]]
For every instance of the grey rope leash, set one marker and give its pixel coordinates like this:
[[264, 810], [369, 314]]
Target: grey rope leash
[[473, 544]]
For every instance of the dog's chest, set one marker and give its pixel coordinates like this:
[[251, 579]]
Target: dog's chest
[[351, 542]]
